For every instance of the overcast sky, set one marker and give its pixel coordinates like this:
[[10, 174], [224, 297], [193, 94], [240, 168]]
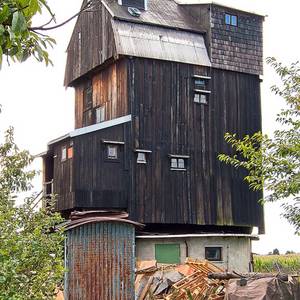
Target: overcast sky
[[39, 107]]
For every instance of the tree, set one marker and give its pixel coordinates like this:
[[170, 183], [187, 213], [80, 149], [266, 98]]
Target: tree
[[31, 247], [276, 252], [273, 163], [19, 39]]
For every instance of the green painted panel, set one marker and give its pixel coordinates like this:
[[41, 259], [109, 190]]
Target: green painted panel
[[167, 253]]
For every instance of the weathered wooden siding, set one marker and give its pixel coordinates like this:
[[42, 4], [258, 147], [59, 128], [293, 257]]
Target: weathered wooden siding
[[237, 48], [91, 44], [167, 121], [63, 185], [109, 90]]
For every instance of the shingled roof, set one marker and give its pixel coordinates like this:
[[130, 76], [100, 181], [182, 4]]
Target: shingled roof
[[165, 13]]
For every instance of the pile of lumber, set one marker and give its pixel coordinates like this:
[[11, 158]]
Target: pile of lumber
[[178, 282]]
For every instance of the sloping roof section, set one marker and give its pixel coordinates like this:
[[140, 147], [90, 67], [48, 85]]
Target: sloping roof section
[[160, 43], [239, 5], [160, 12]]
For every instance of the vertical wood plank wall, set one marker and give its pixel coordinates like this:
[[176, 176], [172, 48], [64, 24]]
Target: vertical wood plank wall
[[109, 90], [167, 121], [91, 45]]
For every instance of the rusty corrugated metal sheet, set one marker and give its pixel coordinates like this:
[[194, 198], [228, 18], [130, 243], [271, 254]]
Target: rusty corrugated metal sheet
[[100, 261], [146, 41]]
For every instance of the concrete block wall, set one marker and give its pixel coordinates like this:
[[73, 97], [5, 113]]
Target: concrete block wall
[[236, 251]]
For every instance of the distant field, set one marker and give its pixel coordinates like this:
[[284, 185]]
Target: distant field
[[273, 263]]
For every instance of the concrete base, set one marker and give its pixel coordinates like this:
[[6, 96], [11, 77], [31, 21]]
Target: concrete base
[[236, 250]]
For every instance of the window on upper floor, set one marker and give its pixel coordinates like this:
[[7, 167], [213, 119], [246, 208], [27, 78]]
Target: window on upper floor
[[231, 19], [87, 105], [201, 89], [100, 114]]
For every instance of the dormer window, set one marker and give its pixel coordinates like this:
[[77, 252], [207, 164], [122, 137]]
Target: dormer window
[[201, 89], [231, 20]]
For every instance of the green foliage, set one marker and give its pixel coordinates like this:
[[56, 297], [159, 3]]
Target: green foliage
[[31, 250], [273, 163], [18, 40], [274, 263]]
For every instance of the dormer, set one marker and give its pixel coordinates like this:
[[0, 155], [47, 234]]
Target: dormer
[[140, 4]]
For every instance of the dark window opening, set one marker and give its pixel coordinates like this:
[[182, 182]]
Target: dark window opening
[[167, 253], [213, 253], [231, 20], [87, 106]]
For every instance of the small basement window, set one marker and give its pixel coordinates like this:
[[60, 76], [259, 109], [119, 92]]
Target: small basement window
[[63, 153], [100, 114], [167, 253], [231, 20], [213, 253]]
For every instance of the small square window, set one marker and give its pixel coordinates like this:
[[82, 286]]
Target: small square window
[[63, 153], [100, 114], [141, 158], [213, 253], [231, 20], [112, 152], [70, 152], [200, 98], [178, 163], [200, 84]]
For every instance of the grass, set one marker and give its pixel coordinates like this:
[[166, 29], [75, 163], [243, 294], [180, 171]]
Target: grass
[[274, 263]]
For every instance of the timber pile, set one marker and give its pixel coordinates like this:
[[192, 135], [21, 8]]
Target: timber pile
[[178, 282]]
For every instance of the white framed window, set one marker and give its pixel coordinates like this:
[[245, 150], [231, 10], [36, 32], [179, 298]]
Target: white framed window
[[141, 158], [63, 153], [112, 151], [100, 114], [201, 89], [231, 20], [178, 162]]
